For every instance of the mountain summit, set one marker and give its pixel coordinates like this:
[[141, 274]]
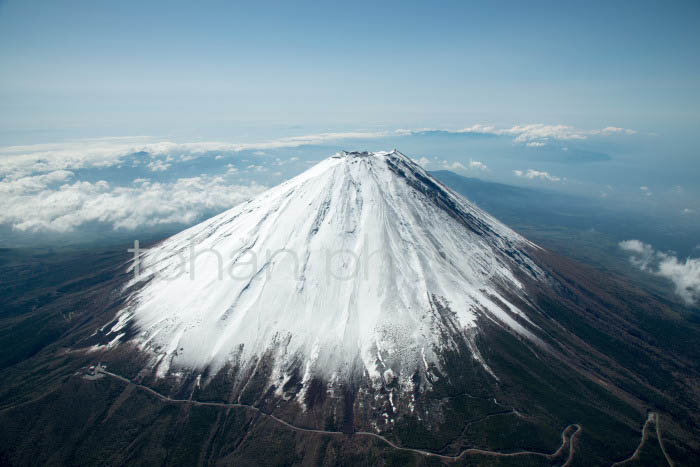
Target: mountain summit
[[360, 266], [359, 313]]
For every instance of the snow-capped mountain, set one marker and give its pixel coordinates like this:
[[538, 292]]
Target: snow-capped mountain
[[360, 313], [347, 268]]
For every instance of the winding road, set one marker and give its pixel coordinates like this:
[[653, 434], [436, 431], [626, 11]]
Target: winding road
[[566, 434], [652, 417]]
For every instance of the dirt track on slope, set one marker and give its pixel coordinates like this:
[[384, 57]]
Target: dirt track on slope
[[567, 437]]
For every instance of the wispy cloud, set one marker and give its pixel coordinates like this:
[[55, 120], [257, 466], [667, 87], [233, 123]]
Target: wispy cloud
[[455, 166], [477, 165], [532, 174], [423, 162], [20, 161], [536, 134], [610, 130], [685, 275], [158, 165]]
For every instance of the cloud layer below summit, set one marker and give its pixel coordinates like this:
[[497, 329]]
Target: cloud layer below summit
[[129, 183]]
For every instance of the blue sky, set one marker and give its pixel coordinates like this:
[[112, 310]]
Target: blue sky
[[230, 69], [125, 115]]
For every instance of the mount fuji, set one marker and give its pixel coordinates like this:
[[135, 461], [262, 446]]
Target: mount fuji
[[342, 270], [361, 313]]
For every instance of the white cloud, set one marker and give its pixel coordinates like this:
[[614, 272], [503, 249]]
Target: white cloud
[[536, 134], [536, 144], [685, 275], [635, 246], [34, 204], [609, 130], [158, 166], [21, 161], [477, 165], [34, 183], [540, 131], [455, 166], [532, 174]]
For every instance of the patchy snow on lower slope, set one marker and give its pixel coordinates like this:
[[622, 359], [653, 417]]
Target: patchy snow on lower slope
[[337, 270]]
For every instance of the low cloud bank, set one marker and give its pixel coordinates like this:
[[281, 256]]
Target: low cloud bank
[[24, 160], [56, 202], [685, 275], [59, 187]]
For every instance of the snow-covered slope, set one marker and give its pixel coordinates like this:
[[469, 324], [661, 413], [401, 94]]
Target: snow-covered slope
[[344, 268]]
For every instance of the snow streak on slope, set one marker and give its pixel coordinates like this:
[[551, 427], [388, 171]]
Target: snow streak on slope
[[341, 269]]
